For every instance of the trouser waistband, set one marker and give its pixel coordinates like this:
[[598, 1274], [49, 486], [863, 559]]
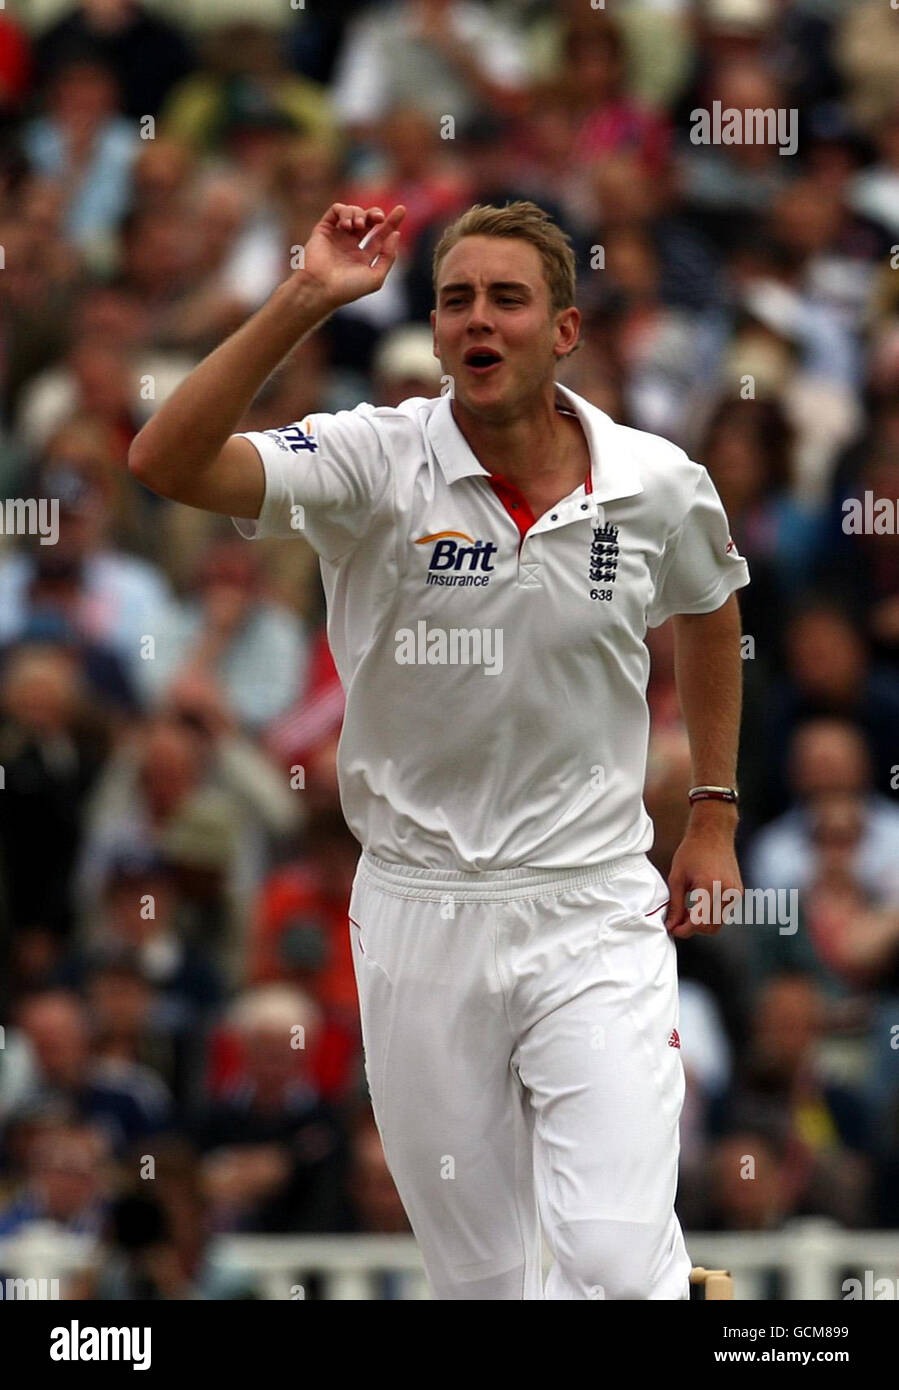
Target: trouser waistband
[[499, 885]]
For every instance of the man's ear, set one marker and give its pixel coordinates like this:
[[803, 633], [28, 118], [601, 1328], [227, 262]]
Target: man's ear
[[568, 331], [434, 333]]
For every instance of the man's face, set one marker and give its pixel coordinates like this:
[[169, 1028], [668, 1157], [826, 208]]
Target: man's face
[[492, 296]]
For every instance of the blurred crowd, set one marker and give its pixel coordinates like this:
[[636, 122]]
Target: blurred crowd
[[176, 987]]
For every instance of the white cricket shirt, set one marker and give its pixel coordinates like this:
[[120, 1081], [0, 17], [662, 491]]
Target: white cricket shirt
[[494, 666]]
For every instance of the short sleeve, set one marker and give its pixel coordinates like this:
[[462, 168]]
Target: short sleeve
[[326, 477], [701, 566]]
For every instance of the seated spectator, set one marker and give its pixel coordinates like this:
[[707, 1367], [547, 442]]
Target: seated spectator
[[133, 1020], [112, 599], [66, 1183], [171, 985], [440, 56], [827, 756], [37, 291], [189, 786], [157, 253], [84, 141], [829, 674], [747, 446], [243, 85], [724, 185], [147, 51], [657, 345], [95, 379], [253, 647], [608, 120], [781, 1088], [747, 1191], [657, 43], [52, 748], [301, 936], [415, 172], [861, 561], [405, 366], [799, 354], [109, 411], [628, 196], [156, 1243], [273, 1150], [129, 1104]]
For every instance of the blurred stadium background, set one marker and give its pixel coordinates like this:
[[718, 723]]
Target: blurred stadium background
[[175, 870]]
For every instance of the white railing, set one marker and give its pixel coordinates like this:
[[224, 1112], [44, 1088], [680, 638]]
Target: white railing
[[812, 1257]]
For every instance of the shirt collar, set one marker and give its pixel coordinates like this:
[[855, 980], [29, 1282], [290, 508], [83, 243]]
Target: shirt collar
[[613, 465]]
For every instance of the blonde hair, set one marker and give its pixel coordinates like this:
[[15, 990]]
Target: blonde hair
[[528, 222]]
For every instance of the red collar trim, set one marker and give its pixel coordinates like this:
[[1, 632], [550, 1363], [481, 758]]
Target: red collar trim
[[517, 505]]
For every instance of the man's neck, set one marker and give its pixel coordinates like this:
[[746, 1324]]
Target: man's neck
[[542, 451]]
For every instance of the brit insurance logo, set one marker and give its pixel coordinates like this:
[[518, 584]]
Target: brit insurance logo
[[458, 560], [293, 439], [604, 561]]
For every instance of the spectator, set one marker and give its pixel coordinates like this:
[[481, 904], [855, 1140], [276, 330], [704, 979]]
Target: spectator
[[243, 88], [189, 786], [51, 750], [109, 597], [726, 186], [66, 1183], [405, 366], [607, 120], [415, 172], [827, 756], [231, 632], [273, 1150], [127, 1103], [85, 143], [829, 675], [148, 53], [440, 56], [781, 1088]]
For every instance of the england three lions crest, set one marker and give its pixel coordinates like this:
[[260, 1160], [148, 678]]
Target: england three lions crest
[[604, 560]]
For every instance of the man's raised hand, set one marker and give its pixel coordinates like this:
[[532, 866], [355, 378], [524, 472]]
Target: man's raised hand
[[332, 256]]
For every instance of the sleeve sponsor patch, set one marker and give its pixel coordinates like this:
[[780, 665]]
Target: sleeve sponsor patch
[[292, 439]]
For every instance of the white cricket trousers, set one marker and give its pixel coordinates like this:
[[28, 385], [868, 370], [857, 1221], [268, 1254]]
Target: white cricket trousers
[[523, 1062]]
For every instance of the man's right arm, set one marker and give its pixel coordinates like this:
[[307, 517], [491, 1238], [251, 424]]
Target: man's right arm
[[186, 451]]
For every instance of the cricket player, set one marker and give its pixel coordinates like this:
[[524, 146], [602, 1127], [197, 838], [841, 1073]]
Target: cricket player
[[491, 561]]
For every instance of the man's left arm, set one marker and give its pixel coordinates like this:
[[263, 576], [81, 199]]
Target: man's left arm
[[708, 671]]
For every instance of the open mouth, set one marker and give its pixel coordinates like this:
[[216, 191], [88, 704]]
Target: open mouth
[[482, 360]]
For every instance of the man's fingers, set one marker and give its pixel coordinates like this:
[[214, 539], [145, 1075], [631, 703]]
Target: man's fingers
[[383, 229], [386, 255], [348, 217], [677, 908]]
